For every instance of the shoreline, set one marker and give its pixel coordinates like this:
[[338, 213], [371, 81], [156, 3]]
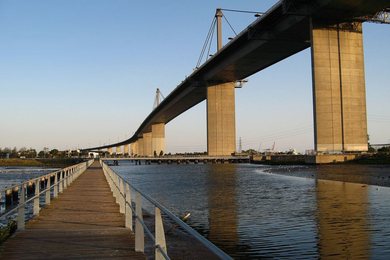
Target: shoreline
[[58, 163], [368, 174]]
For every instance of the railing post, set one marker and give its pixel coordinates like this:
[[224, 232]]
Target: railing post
[[68, 176], [65, 182], [21, 210], [61, 185], [70, 179], [139, 229], [55, 191], [128, 213], [121, 197], [160, 236], [47, 200], [36, 200], [116, 188], [71, 175]]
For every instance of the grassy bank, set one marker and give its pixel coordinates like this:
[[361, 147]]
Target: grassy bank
[[60, 163], [7, 231]]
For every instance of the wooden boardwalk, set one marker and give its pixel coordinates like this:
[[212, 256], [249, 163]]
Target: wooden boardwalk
[[82, 223]]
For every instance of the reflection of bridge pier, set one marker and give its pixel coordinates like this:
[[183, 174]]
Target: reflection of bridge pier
[[223, 222], [343, 224]]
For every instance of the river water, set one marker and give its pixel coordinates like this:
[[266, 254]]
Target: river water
[[256, 211], [10, 176]]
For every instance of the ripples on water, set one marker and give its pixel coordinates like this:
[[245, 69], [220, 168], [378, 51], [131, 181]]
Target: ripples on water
[[251, 213], [10, 176]]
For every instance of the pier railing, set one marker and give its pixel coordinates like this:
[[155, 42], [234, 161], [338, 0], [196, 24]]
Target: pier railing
[[17, 197], [121, 191]]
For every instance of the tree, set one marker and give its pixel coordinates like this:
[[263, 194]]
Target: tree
[[23, 150], [14, 153], [370, 148], [31, 153], [383, 150], [41, 154], [54, 152]]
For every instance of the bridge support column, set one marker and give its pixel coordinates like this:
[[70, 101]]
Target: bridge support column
[[158, 138], [118, 150], [109, 150], [340, 121], [221, 121], [148, 144], [134, 148], [140, 143], [126, 149]]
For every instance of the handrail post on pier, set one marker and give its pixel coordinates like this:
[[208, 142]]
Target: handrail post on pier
[[121, 197], [36, 200], [74, 169], [68, 177], [47, 200], [64, 182], [139, 229], [60, 188], [55, 191], [117, 191], [160, 236], [129, 212], [21, 210]]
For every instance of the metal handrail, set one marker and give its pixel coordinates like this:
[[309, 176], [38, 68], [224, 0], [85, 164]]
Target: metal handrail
[[116, 183], [62, 179]]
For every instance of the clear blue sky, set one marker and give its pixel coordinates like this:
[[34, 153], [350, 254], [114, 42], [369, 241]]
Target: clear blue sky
[[80, 73]]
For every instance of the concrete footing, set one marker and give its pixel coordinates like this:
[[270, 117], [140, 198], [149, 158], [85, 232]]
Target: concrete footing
[[330, 158]]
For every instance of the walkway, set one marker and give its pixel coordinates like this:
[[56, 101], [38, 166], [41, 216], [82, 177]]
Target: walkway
[[82, 223]]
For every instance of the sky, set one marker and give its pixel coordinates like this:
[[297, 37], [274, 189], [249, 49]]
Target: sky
[[84, 73]]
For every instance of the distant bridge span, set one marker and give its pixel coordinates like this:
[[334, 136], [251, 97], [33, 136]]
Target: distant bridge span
[[289, 27]]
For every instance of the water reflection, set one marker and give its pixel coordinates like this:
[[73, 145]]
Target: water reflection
[[223, 222], [251, 213], [343, 225]]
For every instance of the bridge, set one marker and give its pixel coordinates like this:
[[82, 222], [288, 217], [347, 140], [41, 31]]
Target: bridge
[[333, 30]]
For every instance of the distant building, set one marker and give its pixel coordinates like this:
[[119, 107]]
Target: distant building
[[93, 155]]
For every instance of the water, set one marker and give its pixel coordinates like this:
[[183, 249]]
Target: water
[[10, 176], [256, 211]]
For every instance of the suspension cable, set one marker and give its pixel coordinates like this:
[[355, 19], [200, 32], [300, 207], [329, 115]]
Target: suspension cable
[[211, 40], [240, 11], [210, 33], [231, 27]]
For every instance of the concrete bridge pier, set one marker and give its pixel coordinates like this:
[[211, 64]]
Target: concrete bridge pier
[[118, 150], [109, 150], [126, 149], [147, 141], [340, 120], [140, 142], [221, 121], [134, 148], [158, 138]]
